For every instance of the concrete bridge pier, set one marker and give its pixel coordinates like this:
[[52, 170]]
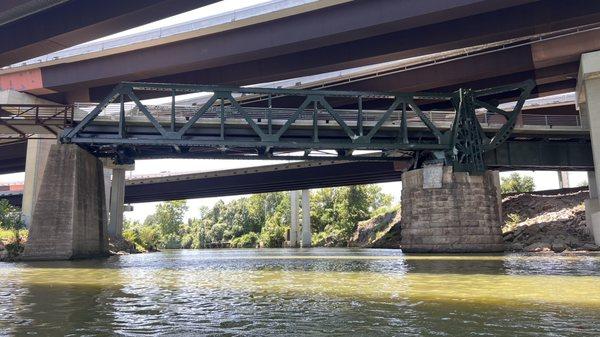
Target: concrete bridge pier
[[35, 163], [588, 99], [451, 212], [69, 218]]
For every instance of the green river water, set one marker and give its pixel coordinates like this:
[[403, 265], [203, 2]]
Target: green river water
[[317, 292]]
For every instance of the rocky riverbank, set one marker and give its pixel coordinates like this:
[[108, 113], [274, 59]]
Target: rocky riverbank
[[533, 222], [539, 222], [382, 231]]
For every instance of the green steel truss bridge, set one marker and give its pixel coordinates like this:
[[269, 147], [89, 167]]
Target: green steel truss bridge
[[264, 123]]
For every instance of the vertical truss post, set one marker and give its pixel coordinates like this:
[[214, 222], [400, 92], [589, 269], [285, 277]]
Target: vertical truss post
[[270, 115], [122, 133], [403, 125], [222, 101], [468, 142], [359, 118], [173, 110], [315, 123]]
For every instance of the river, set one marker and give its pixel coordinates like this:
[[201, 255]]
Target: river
[[319, 292]]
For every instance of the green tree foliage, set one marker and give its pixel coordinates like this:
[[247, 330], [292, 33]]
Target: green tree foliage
[[258, 220], [336, 211], [169, 216], [517, 183], [10, 216]]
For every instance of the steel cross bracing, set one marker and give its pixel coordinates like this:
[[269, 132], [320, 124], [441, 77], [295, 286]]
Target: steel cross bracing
[[295, 124]]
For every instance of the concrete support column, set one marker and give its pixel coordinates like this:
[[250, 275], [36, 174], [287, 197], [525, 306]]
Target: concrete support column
[[35, 163], [591, 175], [563, 179], [117, 201], [107, 183], [306, 232], [294, 219], [588, 102], [592, 206], [450, 212], [69, 218]]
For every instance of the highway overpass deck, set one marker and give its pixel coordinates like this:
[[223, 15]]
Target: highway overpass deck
[[551, 35]]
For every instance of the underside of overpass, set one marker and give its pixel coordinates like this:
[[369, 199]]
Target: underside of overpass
[[32, 28], [518, 40]]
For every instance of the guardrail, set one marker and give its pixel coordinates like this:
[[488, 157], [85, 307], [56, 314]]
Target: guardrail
[[259, 114], [51, 118]]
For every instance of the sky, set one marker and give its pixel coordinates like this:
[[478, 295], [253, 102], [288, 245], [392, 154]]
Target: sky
[[543, 179]]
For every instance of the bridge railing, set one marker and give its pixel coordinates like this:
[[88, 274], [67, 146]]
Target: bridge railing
[[439, 118], [22, 120]]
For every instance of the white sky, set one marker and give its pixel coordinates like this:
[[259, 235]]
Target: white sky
[[543, 179]]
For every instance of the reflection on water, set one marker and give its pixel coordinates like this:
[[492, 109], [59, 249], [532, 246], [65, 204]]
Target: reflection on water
[[324, 292]]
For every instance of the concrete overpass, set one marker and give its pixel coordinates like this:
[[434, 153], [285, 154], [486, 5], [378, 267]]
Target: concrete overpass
[[533, 36], [32, 28]]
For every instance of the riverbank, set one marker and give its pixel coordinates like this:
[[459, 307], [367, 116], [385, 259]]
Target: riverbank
[[533, 222], [537, 222]]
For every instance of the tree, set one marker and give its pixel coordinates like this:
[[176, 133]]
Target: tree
[[517, 183], [169, 216]]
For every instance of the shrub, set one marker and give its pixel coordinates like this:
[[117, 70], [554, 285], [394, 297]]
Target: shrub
[[149, 237], [171, 241], [511, 222], [131, 235], [187, 241], [248, 240], [272, 235], [10, 216]]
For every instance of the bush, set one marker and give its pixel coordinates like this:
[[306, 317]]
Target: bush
[[330, 237], [171, 241], [187, 241], [131, 235], [384, 210], [273, 235], [248, 240], [10, 235], [149, 237], [10, 216]]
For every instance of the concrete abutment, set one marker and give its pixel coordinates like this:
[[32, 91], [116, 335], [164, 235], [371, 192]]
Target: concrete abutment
[[451, 212], [69, 218]]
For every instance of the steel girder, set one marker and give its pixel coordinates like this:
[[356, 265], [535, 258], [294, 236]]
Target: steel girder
[[225, 125]]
